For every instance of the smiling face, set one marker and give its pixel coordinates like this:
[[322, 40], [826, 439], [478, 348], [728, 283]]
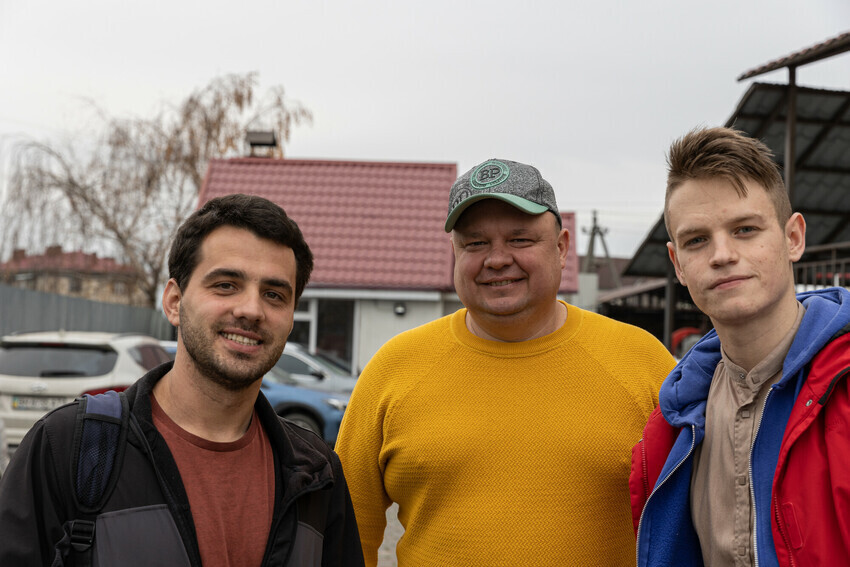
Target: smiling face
[[732, 253], [508, 266], [236, 311]]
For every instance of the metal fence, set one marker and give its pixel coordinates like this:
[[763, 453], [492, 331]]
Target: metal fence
[[24, 310], [818, 275], [823, 266]]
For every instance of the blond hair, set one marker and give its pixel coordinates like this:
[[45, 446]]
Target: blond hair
[[724, 152]]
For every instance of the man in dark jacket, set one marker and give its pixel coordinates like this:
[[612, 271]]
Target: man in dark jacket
[[210, 475], [745, 461]]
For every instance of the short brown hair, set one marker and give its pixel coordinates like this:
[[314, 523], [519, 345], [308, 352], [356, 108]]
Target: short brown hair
[[255, 214], [706, 153]]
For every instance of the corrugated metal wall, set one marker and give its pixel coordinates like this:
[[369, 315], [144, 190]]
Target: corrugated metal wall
[[24, 310]]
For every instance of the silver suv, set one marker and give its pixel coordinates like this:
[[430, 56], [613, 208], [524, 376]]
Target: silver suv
[[42, 371]]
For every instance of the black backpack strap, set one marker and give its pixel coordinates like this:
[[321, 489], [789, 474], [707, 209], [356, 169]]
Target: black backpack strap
[[100, 436], [78, 539]]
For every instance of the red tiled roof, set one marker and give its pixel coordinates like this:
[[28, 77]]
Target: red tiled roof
[[54, 260], [375, 225], [369, 224]]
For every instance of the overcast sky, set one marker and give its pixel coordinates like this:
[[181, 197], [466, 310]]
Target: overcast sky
[[592, 93]]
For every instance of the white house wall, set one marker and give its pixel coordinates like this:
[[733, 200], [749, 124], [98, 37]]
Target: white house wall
[[588, 290], [379, 322]]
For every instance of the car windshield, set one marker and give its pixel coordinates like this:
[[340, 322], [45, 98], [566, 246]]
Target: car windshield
[[55, 361], [278, 375], [332, 363]]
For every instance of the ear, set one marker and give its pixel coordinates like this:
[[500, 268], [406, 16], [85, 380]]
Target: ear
[[795, 236], [171, 297], [680, 275], [563, 246], [452, 243]]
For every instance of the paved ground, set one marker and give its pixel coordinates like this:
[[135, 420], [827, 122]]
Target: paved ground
[[386, 554]]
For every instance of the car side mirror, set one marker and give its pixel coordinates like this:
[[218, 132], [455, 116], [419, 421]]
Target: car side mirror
[[318, 374]]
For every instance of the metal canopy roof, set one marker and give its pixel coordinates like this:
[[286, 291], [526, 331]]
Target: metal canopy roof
[[828, 48], [821, 183]]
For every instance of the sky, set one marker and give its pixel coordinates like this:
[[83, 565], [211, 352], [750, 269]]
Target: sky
[[591, 93]]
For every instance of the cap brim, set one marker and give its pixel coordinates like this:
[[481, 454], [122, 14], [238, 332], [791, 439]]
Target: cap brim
[[524, 205]]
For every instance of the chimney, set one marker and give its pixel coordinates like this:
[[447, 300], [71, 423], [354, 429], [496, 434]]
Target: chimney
[[266, 139], [55, 250]]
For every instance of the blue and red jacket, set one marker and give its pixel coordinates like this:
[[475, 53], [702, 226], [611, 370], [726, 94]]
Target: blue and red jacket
[[800, 459]]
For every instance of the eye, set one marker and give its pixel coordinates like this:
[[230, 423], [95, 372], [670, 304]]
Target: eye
[[696, 241], [224, 286], [747, 230], [275, 296]]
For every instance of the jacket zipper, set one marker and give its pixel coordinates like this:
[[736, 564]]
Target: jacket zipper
[[659, 485], [752, 484], [276, 521]]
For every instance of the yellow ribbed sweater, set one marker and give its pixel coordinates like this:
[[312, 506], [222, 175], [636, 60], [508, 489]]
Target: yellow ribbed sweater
[[502, 453]]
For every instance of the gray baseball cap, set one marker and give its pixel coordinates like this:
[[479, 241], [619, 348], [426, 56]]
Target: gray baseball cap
[[515, 183]]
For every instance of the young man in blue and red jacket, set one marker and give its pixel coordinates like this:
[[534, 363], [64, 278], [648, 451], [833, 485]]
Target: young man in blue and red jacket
[[746, 461]]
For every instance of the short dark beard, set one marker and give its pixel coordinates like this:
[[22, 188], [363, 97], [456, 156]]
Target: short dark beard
[[198, 347]]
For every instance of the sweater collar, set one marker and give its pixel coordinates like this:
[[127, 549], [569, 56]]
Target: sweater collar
[[518, 349]]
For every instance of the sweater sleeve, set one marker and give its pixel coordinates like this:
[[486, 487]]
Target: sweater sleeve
[[359, 447]]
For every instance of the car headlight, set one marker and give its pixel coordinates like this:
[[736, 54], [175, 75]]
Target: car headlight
[[336, 403]]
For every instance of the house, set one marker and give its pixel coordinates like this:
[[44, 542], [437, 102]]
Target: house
[[383, 263], [75, 274]]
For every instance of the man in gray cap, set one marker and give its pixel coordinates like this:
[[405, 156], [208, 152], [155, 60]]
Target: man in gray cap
[[503, 431]]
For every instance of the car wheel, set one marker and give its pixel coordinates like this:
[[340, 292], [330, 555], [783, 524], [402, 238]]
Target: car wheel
[[304, 421]]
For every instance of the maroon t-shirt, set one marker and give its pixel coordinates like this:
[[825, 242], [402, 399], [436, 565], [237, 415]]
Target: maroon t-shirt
[[230, 488]]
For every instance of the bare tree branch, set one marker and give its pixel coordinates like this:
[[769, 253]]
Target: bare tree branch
[[128, 190]]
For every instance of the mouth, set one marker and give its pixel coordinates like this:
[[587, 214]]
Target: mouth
[[500, 283], [728, 282], [241, 339]]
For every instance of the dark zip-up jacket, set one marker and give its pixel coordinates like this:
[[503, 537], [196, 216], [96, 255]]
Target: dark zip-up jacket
[[147, 520]]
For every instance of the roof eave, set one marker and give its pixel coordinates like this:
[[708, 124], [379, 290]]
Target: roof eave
[[823, 50]]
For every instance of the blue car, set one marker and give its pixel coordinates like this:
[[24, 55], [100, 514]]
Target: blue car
[[320, 412]]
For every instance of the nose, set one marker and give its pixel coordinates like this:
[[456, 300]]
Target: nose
[[498, 256], [723, 251], [250, 306]]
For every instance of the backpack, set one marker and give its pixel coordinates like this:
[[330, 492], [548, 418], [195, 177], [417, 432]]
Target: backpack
[[100, 435]]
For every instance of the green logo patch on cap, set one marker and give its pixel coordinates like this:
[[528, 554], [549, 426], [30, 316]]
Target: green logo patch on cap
[[489, 174]]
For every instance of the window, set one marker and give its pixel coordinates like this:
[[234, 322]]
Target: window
[[300, 333], [55, 361], [295, 365], [149, 356], [335, 330]]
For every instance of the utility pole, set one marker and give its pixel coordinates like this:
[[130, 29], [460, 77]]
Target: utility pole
[[588, 266]]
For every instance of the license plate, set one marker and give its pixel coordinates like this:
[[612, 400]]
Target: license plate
[[36, 403]]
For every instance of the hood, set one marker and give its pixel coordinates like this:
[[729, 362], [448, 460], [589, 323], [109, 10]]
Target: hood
[[683, 394]]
